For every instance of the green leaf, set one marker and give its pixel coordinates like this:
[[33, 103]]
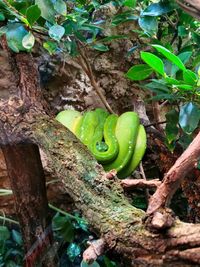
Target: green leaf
[[139, 72], [171, 128], [139, 202], [60, 7], [17, 237], [4, 233], [123, 17], [184, 87], [185, 140], [148, 24], [3, 30], [73, 251], [14, 35], [47, 10], [51, 47], [170, 56], [85, 264], [56, 32], [108, 262], [164, 96], [28, 41], [189, 117], [157, 87], [154, 62], [82, 223], [184, 57], [63, 226], [100, 47], [32, 14], [2, 17], [190, 77], [182, 32], [114, 37], [172, 81], [157, 9], [130, 3]]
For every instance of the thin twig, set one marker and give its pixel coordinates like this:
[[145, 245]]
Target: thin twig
[[88, 70], [144, 177], [154, 123]]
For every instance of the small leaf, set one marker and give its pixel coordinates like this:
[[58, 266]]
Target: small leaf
[[47, 10], [16, 236], [56, 32], [172, 81], [28, 41], [51, 47], [185, 140], [73, 251], [157, 9], [170, 56], [3, 30], [32, 14], [108, 262], [184, 57], [157, 87], [190, 77], [2, 17], [148, 24], [114, 37], [154, 62], [130, 3], [100, 47], [4, 233], [139, 72], [184, 87], [14, 35], [85, 264], [63, 226], [171, 128], [60, 7], [189, 117]]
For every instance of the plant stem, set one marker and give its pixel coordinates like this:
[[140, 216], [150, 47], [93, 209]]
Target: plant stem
[[88, 70], [8, 220]]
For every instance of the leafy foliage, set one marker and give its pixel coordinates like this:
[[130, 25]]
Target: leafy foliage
[[11, 251], [176, 84]]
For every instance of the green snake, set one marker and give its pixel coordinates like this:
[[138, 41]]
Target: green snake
[[117, 142]]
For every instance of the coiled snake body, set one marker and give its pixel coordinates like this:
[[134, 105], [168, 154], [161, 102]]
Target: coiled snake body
[[117, 142]]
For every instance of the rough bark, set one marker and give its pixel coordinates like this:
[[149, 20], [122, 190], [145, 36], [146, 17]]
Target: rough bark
[[28, 185], [23, 160]]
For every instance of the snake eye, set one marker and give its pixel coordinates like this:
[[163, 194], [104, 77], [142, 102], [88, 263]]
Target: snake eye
[[101, 146]]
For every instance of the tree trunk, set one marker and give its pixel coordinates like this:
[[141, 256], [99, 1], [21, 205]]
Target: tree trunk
[[28, 185]]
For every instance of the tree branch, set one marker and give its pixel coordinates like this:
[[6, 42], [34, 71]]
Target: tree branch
[[185, 163]]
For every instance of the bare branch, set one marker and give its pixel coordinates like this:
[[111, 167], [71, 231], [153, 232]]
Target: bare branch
[[140, 183], [95, 249], [185, 163]]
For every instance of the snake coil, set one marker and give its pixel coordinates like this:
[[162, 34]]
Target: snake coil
[[116, 142]]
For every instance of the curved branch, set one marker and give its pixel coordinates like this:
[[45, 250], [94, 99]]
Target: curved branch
[[185, 163]]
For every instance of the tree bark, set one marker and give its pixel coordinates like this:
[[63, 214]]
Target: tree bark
[[23, 159], [28, 185]]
